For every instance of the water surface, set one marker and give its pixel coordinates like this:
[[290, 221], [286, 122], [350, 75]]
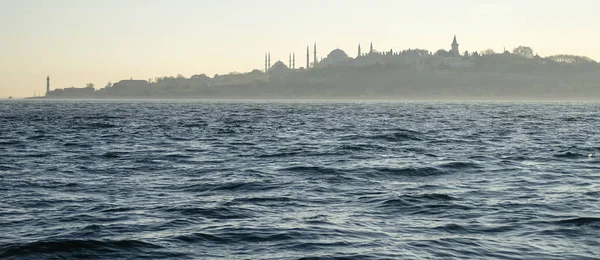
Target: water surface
[[299, 180]]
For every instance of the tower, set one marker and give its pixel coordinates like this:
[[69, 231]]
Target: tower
[[455, 51], [359, 52], [307, 57], [47, 85], [294, 60], [371, 49], [315, 52]]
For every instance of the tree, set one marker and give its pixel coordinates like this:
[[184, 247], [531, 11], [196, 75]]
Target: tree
[[524, 51], [89, 85], [422, 52], [199, 77], [108, 85], [442, 53], [571, 59], [488, 52]]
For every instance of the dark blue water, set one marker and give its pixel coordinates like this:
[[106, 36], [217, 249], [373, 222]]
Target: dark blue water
[[299, 180]]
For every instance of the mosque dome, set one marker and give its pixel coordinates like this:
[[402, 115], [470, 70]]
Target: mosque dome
[[278, 66], [337, 55], [279, 69]]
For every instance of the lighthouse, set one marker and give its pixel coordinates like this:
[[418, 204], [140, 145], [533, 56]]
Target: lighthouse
[[47, 85]]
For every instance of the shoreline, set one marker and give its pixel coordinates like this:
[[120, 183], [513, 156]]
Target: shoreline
[[322, 99]]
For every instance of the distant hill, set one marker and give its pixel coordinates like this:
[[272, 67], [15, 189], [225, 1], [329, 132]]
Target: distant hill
[[493, 76]]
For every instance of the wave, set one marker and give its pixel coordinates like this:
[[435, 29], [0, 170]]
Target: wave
[[580, 221], [118, 209], [111, 155], [396, 136], [313, 170], [11, 142], [460, 165], [45, 249], [214, 212], [37, 137], [454, 229], [77, 145], [200, 237], [389, 172], [97, 126], [98, 117], [227, 235], [194, 125], [177, 156], [264, 201], [362, 147], [7, 168], [410, 200], [277, 155], [38, 155], [569, 155], [423, 204], [242, 186], [572, 119]]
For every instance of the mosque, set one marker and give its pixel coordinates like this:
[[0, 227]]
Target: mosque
[[417, 59]]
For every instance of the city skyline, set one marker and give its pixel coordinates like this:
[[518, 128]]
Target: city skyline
[[115, 40]]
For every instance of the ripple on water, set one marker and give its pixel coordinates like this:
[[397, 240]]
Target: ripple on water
[[298, 180]]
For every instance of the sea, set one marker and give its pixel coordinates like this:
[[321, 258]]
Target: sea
[[171, 179]]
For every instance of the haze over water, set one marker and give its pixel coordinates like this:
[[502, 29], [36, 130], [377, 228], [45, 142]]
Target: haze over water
[[299, 180]]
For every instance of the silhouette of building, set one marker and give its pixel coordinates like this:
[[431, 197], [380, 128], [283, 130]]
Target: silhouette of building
[[279, 70], [47, 85], [307, 57], [336, 57], [315, 58], [416, 59], [455, 50], [279, 65]]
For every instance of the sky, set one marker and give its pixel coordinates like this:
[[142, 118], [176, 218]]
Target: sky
[[99, 41]]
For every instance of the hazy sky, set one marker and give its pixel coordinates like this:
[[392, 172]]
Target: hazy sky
[[80, 41]]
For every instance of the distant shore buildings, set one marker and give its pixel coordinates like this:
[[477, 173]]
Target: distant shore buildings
[[417, 59], [412, 72]]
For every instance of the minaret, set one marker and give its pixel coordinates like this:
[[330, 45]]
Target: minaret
[[455, 47], [315, 52], [307, 58], [371, 49], [294, 61], [359, 52], [47, 85], [266, 68], [290, 62], [269, 60]]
